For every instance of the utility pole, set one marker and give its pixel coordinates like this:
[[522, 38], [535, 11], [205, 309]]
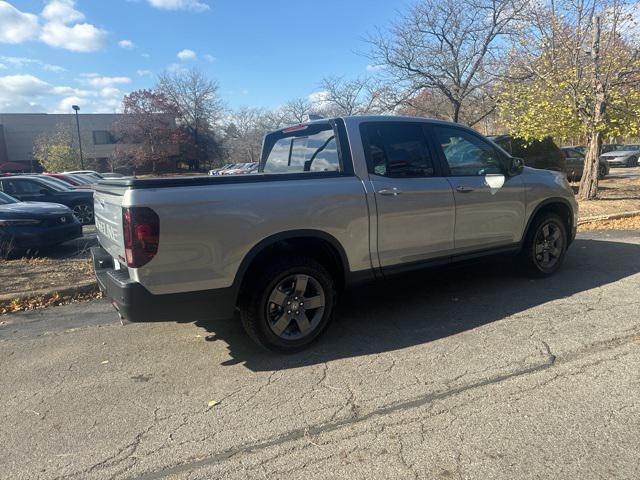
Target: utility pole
[[77, 108]]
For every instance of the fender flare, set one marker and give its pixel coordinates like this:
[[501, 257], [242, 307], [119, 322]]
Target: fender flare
[[267, 242]]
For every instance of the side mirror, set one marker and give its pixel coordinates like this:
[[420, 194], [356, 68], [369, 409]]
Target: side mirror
[[516, 167]]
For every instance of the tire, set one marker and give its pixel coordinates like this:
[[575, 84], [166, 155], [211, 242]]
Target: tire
[[541, 244], [632, 162], [264, 311], [602, 172], [84, 213]]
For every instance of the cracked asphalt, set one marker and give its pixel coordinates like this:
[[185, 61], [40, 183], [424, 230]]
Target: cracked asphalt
[[472, 372]]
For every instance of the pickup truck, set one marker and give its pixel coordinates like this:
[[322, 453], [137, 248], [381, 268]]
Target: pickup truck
[[335, 203]]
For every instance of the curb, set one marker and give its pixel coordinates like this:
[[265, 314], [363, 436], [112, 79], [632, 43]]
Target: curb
[[82, 288], [613, 216]]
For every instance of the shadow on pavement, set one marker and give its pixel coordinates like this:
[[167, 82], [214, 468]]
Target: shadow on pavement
[[420, 308]]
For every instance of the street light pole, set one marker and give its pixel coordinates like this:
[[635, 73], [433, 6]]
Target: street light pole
[[77, 108]]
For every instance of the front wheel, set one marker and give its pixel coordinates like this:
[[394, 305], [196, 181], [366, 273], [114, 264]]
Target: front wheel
[[632, 162], [545, 246], [84, 213], [289, 304]]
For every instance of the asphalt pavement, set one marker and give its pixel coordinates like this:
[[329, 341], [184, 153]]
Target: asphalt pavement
[[472, 372]]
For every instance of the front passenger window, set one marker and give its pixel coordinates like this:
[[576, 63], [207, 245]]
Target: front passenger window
[[466, 154]]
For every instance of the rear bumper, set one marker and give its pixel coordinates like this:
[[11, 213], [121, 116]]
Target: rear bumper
[[136, 304]]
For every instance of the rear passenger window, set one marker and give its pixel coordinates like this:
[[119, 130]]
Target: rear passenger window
[[309, 149], [396, 149]]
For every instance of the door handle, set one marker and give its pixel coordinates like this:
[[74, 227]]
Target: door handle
[[464, 189], [390, 191]]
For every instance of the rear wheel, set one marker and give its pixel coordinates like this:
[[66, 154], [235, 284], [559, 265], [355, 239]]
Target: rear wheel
[[632, 162], [84, 213], [545, 245], [289, 304], [602, 171]]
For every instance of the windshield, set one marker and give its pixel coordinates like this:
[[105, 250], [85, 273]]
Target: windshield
[[52, 184], [6, 199], [633, 148], [56, 181]]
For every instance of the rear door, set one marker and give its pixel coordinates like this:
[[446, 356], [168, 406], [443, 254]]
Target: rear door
[[415, 205], [108, 218], [489, 202]]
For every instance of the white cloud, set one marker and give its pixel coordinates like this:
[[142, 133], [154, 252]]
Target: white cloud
[[144, 73], [99, 81], [145, 55], [64, 106], [82, 37], [126, 44], [53, 68], [28, 93], [190, 5], [176, 68], [187, 54], [60, 28], [16, 26], [3, 66], [61, 11], [21, 62], [23, 85], [210, 58], [374, 68]]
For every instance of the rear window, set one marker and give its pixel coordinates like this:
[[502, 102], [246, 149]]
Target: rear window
[[309, 148]]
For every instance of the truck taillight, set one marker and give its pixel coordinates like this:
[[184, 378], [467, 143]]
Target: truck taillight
[[141, 229]]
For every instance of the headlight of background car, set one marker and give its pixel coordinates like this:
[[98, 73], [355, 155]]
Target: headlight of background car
[[16, 222]]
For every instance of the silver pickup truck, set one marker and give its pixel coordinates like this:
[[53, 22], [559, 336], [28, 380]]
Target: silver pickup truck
[[335, 203]]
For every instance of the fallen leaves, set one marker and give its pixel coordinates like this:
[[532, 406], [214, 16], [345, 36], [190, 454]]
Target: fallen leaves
[[631, 223]]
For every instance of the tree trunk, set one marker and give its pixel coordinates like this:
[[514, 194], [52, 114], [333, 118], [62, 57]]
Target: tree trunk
[[589, 182]]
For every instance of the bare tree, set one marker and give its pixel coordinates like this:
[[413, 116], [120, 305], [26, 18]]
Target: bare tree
[[196, 100], [243, 134], [339, 96], [448, 47]]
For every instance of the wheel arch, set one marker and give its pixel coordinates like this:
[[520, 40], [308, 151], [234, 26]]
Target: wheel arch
[[557, 205], [316, 244]]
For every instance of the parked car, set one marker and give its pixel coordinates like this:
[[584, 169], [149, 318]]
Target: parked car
[[216, 171], [68, 178], [575, 164], [580, 148], [91, 173], [608, 147], [622, 156], [34, 225], [111, 175], [327, 210], [240, 169], [544, 154], [37, 189]]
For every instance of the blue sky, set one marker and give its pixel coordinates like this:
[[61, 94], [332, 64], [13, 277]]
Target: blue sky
[[54, 53]]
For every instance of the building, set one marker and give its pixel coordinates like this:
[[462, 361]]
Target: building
[[19, 131]]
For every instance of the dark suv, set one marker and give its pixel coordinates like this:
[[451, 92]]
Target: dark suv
[[543, 154]]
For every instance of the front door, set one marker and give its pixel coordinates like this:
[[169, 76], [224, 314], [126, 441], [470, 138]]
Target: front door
[[490, 206], [415, 205]]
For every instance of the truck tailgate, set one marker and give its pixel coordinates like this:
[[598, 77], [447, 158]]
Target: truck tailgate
[[108, 217]]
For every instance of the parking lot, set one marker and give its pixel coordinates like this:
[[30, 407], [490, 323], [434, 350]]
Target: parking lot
[[474, 372]]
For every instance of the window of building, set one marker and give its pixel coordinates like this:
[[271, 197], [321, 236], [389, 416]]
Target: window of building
[[102, 137]]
